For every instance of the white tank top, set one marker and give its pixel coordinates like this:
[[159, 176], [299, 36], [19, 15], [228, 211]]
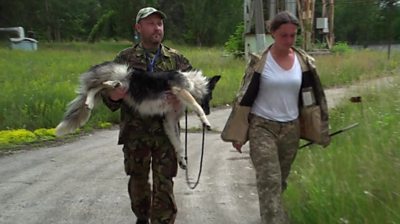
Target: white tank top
[[278, 95]]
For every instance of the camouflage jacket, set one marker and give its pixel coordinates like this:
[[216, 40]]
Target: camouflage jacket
[[132, 124], [314, 120]]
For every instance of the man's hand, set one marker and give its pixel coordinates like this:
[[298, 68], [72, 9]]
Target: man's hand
[[117, 93], [173, 100]]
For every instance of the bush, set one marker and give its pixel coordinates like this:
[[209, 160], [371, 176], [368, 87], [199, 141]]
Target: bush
[[23, 136], [341, 48], [104, 124], [45, 134], [235, 43], [16, 137]]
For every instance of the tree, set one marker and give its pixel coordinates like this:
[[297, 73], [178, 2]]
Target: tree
[[389, 13], [354, 19], [368, 21], [210, 22]]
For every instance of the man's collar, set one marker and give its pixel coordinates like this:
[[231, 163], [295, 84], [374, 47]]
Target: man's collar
[[164, 50]]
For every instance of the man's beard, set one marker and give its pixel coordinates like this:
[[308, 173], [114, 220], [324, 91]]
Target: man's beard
[[156, 38], [153, 40]]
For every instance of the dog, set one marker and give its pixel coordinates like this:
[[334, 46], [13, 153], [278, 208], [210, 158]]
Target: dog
[[146, 93]]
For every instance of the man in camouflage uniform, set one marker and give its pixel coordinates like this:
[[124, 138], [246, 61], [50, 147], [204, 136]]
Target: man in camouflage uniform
[[144, 141]]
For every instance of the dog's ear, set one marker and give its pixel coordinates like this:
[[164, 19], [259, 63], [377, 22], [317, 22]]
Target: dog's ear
[[205, 102], [212, 82]]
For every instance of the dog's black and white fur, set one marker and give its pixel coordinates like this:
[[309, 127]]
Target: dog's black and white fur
[[146, 94]]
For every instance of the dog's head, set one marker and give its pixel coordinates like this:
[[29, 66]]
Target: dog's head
[[205, 101]]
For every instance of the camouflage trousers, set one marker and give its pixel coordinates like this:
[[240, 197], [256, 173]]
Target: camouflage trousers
[[273, 147], [156, 203]]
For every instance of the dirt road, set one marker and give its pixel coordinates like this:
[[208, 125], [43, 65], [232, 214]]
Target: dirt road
[[83, 182]]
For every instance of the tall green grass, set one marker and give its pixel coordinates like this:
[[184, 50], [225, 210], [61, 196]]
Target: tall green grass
[[356, 179], [346, 68], [36, 86]]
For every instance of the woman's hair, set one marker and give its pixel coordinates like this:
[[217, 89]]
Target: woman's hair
[[281, 18]]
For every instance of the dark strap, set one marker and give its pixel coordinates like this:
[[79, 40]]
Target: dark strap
[[332, 134], [201, 157], [152, 62]]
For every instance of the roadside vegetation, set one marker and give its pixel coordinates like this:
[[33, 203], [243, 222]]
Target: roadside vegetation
[[346, 65], [354, 180]]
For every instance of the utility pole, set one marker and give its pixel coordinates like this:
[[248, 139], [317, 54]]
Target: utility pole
[[260, 25], [290, 6], [254, 27], [272, 9]]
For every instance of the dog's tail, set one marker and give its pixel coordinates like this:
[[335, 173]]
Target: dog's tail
[[77, 115], [198, 83]]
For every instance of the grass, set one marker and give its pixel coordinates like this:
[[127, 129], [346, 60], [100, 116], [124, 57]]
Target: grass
[[36, 86], [344, 69], [356, 179]]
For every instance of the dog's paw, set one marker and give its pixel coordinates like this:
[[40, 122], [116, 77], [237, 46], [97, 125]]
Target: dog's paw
[[207, 126], [89, 105], [205, 122], [182, 163]]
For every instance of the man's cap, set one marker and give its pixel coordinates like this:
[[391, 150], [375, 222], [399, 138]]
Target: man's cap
[[145, 12]]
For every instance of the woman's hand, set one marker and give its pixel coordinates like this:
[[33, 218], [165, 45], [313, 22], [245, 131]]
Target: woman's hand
[[237, 146]]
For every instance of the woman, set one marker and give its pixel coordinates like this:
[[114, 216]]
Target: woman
[[281, 101]]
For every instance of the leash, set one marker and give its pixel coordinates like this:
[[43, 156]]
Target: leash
[[201, 157], [333, 134]]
